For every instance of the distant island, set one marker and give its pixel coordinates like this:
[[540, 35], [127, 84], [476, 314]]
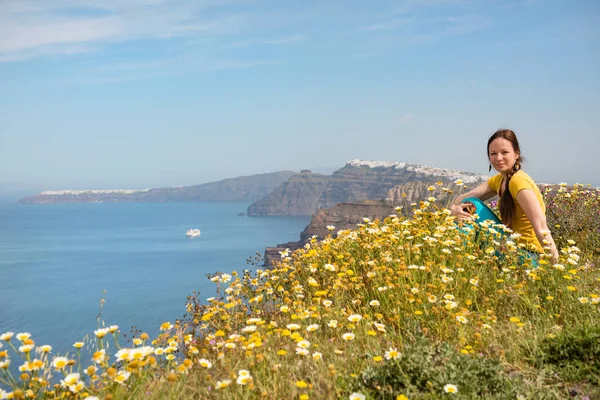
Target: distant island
[[243, 188]]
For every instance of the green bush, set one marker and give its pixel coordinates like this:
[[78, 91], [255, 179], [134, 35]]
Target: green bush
[[574, 354], [425, 368]]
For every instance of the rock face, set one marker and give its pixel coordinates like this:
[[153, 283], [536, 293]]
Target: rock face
[[299, 195], [243, 188], [305, 193]]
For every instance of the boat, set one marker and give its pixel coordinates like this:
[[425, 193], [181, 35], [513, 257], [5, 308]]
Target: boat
[[192, 233]]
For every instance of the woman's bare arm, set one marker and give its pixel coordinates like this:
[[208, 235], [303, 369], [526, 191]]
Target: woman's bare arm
[[531, 207]]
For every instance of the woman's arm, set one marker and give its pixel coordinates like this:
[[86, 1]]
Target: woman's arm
[[482, 192], [531, 207]]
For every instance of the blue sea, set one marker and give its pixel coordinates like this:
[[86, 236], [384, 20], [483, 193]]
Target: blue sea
[[58, 261]]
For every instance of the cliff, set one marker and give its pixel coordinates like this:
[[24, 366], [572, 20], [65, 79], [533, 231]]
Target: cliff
[[304, 194], [299, 195], [243, 188]]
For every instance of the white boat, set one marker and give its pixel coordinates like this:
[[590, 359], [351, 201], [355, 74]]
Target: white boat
[[192, 233]]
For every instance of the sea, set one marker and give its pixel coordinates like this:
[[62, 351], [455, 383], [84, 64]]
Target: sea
[[66, 269]]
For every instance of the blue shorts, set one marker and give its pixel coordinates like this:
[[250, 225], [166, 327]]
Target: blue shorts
[[484, 213]]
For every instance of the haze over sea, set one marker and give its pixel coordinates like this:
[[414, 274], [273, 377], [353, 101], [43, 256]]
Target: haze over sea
[[56, 261]]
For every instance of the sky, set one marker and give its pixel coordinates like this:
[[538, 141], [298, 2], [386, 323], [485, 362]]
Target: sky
[[134, 94]]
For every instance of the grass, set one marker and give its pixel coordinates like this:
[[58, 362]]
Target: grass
[[403, 308]]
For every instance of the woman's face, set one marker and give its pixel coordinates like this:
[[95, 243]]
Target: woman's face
[[502, 155]]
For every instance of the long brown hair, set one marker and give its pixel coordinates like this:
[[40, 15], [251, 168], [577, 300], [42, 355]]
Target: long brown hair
[[507, 204]]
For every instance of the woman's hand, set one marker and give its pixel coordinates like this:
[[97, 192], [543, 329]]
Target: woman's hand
[[458, 210]]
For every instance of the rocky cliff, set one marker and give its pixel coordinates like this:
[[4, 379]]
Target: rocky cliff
[[304, 194], [299, 195], [243, 188], [341, 216]]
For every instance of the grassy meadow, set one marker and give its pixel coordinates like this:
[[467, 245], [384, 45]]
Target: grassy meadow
[[412, 307]]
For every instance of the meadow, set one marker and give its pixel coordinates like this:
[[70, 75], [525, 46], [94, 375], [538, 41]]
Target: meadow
[[412, 307]]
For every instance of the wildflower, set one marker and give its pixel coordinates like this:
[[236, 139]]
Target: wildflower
[[46, 348], [301, 351], [284, 309], [100, 333], [330, 227], [432, 298], [449, 388], [165, 326], [332, 324], [317, 356], [374, 303], [354, 318], [348, 336], [23, 336], [357, 396], [301, 384], [122, 376], [223, 384], [60, 362], [392, 354], [461, 319], [99, 356], [312, 328], [244, 377], [327, 303], [205, 363], [26, 348], [515, 320], [7, 336], [70, 379], [305, 344], [583, 300], [113, 328], [78, 345]]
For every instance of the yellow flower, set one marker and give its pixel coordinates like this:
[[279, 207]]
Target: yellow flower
[[401, 397], [516, 320], [301, 384], [165, 326], [78, 345], [377, 358], [571, 288]]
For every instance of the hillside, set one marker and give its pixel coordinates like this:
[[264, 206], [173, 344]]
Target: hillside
[[304, 194], [243, 188]]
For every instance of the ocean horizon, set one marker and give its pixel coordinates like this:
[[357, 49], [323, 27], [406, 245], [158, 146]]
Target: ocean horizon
[[57, 262]]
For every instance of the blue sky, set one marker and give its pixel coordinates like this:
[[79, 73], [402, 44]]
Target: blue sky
[[147, 93]]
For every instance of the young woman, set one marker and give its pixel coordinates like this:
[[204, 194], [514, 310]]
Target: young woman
[[522, 207]]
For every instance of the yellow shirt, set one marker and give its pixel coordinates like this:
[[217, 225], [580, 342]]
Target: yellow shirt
[[521, 224]]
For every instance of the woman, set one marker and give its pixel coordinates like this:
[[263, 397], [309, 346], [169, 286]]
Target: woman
[[522, 207]]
